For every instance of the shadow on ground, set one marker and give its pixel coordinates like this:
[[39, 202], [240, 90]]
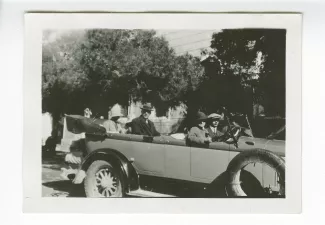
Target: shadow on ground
[[66, 186], [53, 161], [56, 157], [53, 185]]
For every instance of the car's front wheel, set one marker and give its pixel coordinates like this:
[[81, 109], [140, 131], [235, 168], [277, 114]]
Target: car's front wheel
[[103, 180]]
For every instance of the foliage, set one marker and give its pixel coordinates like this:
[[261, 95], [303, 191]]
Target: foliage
[[98, 68], [63, 82], [104, 67], [257, 58]]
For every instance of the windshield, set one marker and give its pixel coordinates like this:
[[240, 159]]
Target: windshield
[[262, 127]]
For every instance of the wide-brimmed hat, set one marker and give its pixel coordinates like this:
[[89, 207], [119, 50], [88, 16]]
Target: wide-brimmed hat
[[214, 116], [200, 116], [116, 111], [147, 106], [116, 114]]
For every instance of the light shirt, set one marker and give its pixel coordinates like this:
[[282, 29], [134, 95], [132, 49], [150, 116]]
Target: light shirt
[[214, 129]]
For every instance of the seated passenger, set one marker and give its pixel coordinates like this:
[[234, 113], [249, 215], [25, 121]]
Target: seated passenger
[[128, 126], [112, 125], [142, 125], [198, 135], [213, 122]]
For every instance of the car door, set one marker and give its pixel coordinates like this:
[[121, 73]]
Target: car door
[[177, 159], [208, 163], [148, 155]]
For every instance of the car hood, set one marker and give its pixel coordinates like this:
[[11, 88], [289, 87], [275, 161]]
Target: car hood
[[276, 146]]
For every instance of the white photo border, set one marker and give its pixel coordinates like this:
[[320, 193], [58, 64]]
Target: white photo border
[[35, 23]]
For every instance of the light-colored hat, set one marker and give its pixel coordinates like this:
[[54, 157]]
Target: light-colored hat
[[214, 116], [116, 111]]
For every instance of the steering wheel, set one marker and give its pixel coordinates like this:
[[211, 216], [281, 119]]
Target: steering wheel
[[231, 135]]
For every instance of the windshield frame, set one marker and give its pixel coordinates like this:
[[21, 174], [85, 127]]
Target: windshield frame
[[275, 134]]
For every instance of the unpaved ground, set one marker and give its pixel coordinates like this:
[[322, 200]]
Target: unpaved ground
[[52, 184]]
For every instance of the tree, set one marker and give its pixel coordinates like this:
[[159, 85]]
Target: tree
[[63, 82], [137, 65], [102, 67], [256, 59]]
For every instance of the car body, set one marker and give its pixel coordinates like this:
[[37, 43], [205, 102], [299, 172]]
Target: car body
[[166, 158]]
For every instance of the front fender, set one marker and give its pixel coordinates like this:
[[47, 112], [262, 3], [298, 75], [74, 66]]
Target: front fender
[[117, 159]]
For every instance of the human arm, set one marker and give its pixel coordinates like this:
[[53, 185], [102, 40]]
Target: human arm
[[196, 136], [217, 137], [120, 129]]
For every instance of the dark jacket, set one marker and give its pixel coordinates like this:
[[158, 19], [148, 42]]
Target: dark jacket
[[215, 136], [139, 126]]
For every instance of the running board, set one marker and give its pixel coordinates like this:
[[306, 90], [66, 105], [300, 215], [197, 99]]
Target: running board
[[148, 194]]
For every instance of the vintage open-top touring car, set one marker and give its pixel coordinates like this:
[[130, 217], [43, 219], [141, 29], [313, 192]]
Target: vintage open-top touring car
[[118, 165]]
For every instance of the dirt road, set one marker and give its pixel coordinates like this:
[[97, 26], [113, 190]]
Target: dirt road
[[52, 184]]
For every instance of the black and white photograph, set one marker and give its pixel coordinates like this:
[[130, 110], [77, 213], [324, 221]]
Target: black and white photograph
[[193, 110]]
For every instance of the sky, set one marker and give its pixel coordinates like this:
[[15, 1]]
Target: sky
[[191, 41]]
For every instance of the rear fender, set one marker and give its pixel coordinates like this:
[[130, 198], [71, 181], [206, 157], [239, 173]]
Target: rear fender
[[117, 159]]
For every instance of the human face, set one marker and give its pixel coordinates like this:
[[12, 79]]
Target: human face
[[215, 122], [146, 113], [201, 124]]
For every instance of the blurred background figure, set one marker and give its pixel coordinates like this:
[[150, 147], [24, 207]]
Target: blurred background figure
[[112, 125], [87, 113]]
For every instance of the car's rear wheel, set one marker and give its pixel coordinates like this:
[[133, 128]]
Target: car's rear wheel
[[234, 187], [103, 180]]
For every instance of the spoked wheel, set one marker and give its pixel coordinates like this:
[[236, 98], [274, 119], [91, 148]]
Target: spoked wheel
[[103, 180]]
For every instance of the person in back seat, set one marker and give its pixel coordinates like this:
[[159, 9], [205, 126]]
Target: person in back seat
[[112, 125], [142, 125]]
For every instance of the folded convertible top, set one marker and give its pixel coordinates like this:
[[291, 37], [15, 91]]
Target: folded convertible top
[[78, 124]]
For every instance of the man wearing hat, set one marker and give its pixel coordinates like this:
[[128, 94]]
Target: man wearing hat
[[198, 135], [111, 125], [213, 122], [142, 125]]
